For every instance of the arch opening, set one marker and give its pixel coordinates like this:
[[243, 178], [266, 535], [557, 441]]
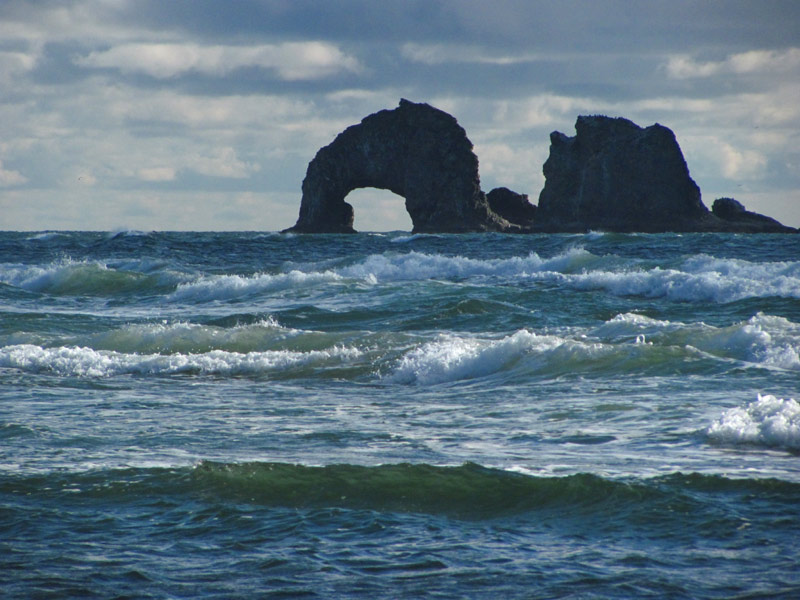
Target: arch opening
[[379, 210]]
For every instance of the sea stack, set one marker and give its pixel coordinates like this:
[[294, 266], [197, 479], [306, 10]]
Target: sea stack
[[416, 151], [616, 176]]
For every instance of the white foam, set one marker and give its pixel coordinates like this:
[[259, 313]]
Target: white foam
[[418, 265], [228, 287], [768, 421], [187, 337], [84, 277], [87, 362], [770, 341], [765, 340], [402, 239], [451, 358], [698, 279], [45, 236]]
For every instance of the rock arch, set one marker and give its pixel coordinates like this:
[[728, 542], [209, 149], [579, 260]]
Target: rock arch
[[416, 151]]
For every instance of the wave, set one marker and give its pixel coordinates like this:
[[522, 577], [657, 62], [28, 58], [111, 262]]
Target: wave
[[169, 338], [700, 278], [468, 491], [452, 358], [697, 279], [87, 278], [403, 239], [87, 362], [764, 340], [229, 287], [46, 236], [626, 344], [769, 421]]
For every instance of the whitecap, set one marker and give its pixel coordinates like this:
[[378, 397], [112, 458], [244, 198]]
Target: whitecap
[[45, 236], [769, 421], [87, 362], [451, 358], [228, 287], [403, 239], [698, 279], [413, 266], [770, 341], [165, 337]]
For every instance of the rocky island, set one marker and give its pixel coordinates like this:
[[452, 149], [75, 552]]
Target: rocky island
[[611, 176]]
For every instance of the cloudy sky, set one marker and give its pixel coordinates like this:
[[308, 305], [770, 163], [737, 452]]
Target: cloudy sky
[[203, 115]]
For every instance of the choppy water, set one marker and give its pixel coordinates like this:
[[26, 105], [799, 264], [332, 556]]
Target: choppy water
[[208, 415]]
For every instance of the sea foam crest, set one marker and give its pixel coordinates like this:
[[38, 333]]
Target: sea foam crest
[[419, 265], [87, 362], [769, 421], [71, 277], [698, 279], [164, 338], [450, 358], [228, 287], [765, 340]]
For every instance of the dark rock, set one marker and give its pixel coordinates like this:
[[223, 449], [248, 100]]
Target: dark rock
[[415, 151], [513, 207], [738, 218], [616, 176]]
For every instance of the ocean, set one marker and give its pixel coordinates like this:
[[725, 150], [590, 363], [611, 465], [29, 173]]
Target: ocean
[[386, 415]]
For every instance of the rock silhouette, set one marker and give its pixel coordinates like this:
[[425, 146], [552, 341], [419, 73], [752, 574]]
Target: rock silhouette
[[737, 218], [415, 151], [611, 176], [513, 207], [616, 176]]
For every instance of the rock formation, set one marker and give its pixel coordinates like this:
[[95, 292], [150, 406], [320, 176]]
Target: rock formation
[[513, 207], [415, 151], [612, 175], [738, 219], [615, 176]]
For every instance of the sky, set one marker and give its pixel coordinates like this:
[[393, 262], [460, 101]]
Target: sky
[[196, 115]]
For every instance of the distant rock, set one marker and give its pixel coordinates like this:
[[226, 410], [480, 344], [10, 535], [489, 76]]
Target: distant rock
[[616, 176], [513, 207], [612, 176], [737, 218], [416, 151]]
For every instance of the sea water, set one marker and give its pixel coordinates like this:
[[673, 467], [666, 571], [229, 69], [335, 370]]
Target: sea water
[[247, 415]]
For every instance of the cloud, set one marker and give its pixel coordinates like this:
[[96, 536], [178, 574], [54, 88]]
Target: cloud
[[10, 178], [157, 174], [753, 61], [741, 164], [223, 163], [292, 61], [14, 64], [437, 54]]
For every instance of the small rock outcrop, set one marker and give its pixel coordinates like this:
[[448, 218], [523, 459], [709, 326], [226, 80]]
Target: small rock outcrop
[[416, 151], [616, 176], [739, 219], [513, 207]]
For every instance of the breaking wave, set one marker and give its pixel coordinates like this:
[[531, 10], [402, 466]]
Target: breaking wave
[[700, 278], [626, 344], [89, 278], [769, 421], [228, 287], [87, 362]]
